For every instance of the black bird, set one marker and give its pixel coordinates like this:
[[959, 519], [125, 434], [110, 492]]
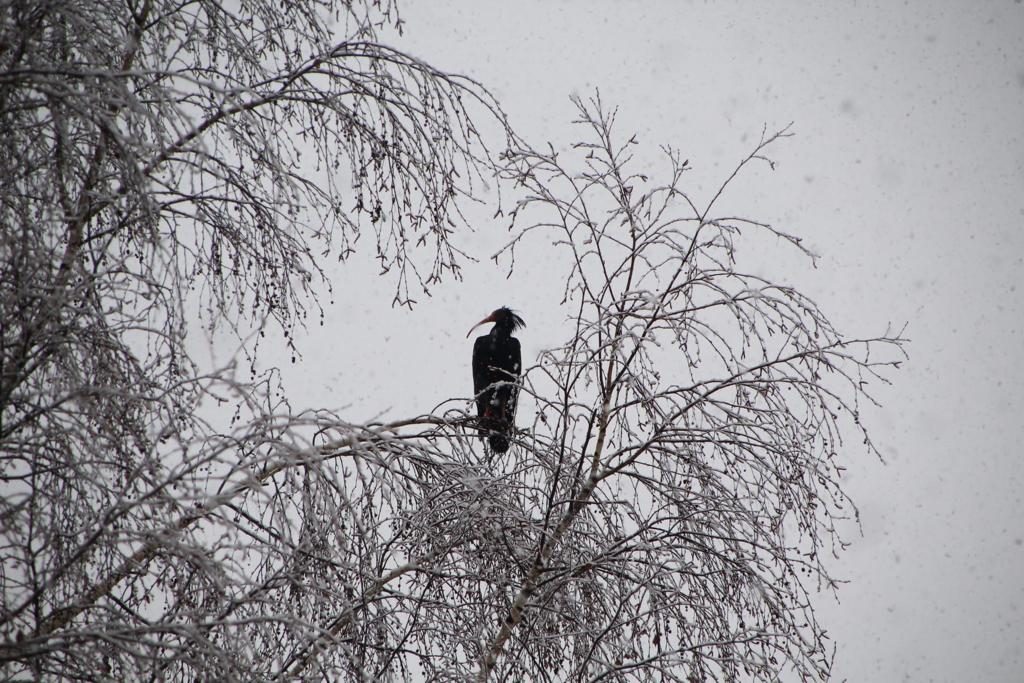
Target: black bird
[[497, 359]]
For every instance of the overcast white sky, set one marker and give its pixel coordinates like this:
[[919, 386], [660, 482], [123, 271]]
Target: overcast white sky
[[906, 174]]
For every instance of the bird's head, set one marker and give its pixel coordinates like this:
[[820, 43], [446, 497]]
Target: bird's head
[[504, 319]]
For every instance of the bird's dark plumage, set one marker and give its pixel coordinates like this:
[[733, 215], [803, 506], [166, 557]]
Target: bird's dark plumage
[[497, 360]]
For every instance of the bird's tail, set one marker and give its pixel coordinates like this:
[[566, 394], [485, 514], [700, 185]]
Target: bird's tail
[[497, 426], [498, 442]]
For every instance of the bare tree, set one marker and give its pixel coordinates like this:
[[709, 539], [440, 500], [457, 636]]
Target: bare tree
[[662, 517], [684, 478], [666, 514], [160, 158]]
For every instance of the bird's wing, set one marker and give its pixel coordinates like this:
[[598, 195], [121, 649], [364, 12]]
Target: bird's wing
[[517, 358]]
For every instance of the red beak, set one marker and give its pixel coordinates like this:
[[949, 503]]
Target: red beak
[[488, 319]]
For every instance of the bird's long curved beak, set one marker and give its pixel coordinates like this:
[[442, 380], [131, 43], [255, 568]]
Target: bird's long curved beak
[[488, 319]]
